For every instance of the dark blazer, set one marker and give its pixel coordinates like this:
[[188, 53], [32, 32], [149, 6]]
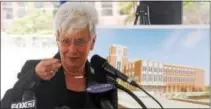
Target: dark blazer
[[51, 94]]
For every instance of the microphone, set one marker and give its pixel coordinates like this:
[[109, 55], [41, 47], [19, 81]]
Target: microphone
[[103, 64], [63, 107], [28, 95], [102, 89], [28, 101], [100, 62]]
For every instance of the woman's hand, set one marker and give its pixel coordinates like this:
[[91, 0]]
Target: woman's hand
[[47, 68]]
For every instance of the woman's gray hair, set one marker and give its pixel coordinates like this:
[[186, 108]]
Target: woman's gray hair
[[76, 15]]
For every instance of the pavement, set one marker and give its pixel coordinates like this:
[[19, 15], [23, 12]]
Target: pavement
[[127, 101], [203, 101]]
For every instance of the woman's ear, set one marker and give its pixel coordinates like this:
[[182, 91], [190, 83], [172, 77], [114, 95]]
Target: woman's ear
[[57, 38], [93, 43], [57, 43]]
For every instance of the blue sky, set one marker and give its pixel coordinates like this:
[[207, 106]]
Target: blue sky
[[183, 46]]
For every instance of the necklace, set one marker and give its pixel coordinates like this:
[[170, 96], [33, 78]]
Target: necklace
[[78, 76], [75, 76]]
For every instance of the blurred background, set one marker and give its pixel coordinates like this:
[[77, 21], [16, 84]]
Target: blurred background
[[16, 15], [27, 33]]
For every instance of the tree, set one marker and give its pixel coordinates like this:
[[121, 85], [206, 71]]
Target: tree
[[207, 89], [196, 13], [188, 4], [128, 8], [37, 21]]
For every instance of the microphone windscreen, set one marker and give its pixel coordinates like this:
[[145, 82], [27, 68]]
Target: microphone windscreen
[[97, 61], [100, 75], [100, 88], [28, 95]]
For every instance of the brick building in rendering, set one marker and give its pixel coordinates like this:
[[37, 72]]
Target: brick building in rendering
[[156, 76]]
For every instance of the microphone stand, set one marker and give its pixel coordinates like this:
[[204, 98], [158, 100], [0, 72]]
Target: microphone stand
[[133, 83], [131, 94], [105, 104], [142, 11], [113, 81]]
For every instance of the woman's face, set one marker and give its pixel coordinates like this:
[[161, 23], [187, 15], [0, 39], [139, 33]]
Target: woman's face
[[74, 46]]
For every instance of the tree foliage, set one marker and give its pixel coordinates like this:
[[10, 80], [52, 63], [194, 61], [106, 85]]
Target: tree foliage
[[207, 89], [128, 8], [37, 21]]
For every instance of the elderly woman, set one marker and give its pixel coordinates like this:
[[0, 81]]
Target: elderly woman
[[62, 80]]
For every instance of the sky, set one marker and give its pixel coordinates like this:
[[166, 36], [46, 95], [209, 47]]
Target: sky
[[183, 46]]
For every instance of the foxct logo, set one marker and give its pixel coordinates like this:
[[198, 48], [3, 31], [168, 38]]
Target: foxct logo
[[22, 105]]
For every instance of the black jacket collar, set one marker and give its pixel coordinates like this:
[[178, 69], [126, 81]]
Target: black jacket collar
[[59, 85]]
